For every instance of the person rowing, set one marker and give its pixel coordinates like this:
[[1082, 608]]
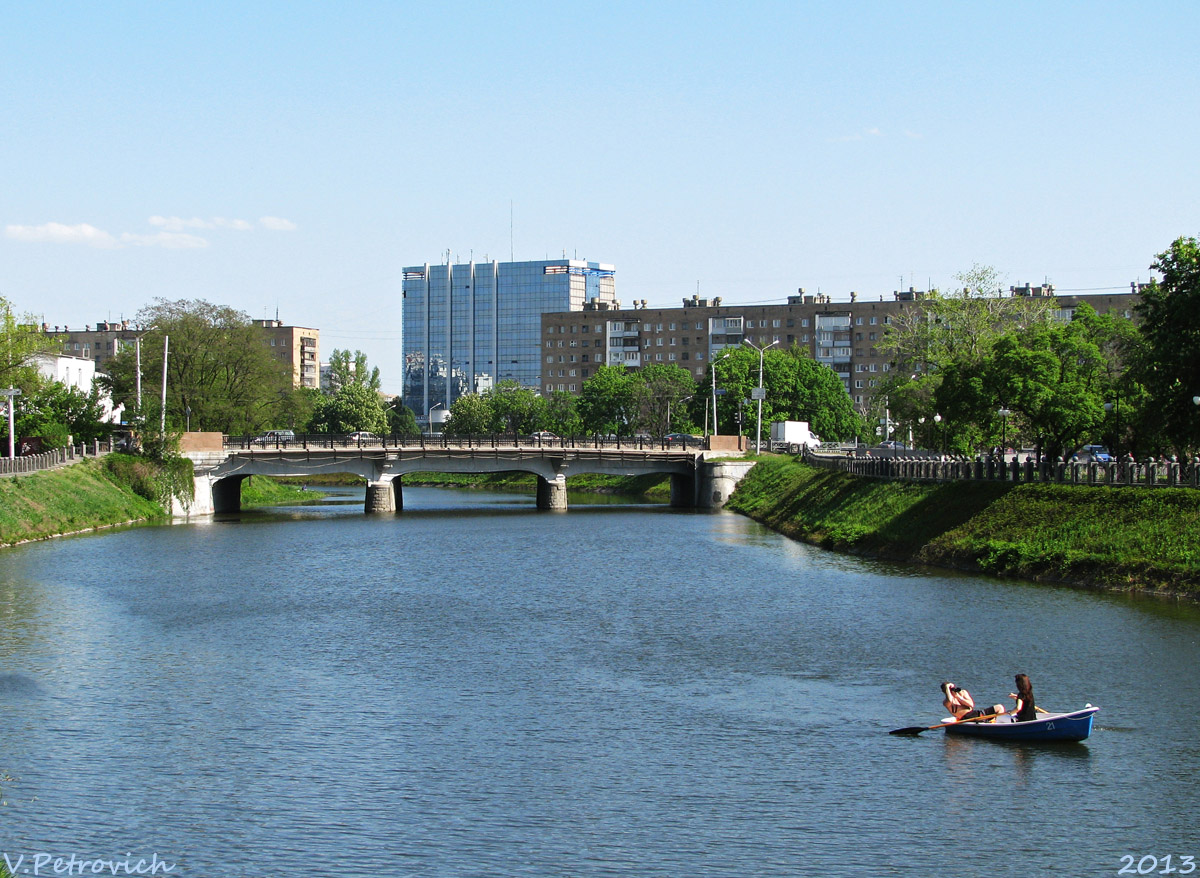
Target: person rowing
[[961, 705]]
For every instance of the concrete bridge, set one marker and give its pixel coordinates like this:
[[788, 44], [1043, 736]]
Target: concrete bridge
[[222, 463]]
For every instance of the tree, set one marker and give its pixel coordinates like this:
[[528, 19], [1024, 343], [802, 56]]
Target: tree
[[607, 401], [659, 390], [562, 414], [55, 413], [516, 409], [20, 343], [797, 389], [353, 408], [1170, 325], [402, 421], [218, 365], [346, 368], [470, 415]]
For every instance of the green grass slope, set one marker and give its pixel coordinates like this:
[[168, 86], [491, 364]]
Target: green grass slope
[[1128, 538], [68, 499]]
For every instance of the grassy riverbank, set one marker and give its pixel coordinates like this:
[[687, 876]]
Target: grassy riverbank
[[266, 491], [83, 496], [1127, 538]]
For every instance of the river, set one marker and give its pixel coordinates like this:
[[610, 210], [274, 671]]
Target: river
[[476, 688]]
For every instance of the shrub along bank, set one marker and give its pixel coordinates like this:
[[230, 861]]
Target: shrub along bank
[[83, 496], [1123, 538]]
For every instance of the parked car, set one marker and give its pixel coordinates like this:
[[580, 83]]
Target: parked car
[[276, 437], [892, 444], [684, 439], [543, 436], [1096, 453], [363, 437]]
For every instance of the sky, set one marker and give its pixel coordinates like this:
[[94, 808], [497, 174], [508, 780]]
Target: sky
[[292, 158]]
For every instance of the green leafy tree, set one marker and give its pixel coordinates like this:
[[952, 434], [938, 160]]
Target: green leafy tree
[[218, 365], [516, 409], [402, 421], [1170, 365], [20, 344], [659, 393], [55, 412], [471, 415], [346, 368], [562, 414], [608, 401], [353, 408]]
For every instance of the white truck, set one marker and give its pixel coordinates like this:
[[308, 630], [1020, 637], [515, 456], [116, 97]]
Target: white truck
[[793, 436]]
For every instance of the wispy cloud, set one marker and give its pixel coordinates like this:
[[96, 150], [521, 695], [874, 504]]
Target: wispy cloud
[[178, 223], [60, 233], [277, 224], [175, 232], [166, 240], [862, 135]]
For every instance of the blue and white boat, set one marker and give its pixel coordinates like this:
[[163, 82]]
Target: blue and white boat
[[1075, 726]]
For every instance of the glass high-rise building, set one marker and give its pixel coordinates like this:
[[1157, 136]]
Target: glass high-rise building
[[468, 326]]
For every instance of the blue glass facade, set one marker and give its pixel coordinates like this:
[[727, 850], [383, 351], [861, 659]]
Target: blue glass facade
[[466, 327]]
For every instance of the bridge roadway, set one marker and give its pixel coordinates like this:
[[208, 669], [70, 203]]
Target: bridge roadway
[[219, 473]]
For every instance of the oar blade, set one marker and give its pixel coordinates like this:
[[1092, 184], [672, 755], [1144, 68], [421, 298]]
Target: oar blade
[[911, 730]]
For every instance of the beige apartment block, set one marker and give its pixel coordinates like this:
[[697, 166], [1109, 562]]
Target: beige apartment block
[[298, 346]]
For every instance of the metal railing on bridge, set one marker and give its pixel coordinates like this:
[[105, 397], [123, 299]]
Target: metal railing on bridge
[[367, 441], [1151, 472]]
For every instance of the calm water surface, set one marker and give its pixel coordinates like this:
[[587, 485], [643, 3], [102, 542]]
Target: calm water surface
[[474, 688]]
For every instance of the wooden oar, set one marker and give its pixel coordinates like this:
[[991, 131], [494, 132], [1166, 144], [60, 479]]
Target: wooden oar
[[916, 730]]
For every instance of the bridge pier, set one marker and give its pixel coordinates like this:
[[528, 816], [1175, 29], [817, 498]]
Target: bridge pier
[[380, 498], [552, 494]]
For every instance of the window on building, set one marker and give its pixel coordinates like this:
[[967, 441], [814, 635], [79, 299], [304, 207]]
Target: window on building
[[774, 324], [858, 382], [804, 322], [872, 367], [671, 357], [873, 320]]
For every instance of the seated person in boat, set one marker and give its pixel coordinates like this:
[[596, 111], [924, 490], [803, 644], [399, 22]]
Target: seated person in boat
[[1025, 710], [962, 706]]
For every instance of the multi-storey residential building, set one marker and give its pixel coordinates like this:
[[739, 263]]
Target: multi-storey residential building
[[298, 346], [467, 326], [98, 345], [843, 335]]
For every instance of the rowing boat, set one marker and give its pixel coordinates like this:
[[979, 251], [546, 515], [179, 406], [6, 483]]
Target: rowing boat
[[1075, 726]]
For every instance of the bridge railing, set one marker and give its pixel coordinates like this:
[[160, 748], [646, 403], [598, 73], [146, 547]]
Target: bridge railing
[[1151, 472], [426, 442]]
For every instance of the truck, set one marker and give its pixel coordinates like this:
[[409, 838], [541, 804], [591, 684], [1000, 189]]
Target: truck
[[793, 437]]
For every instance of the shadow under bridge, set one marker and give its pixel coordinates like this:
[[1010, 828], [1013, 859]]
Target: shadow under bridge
[[383, 469]]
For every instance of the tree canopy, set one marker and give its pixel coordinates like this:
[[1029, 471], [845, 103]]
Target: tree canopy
[[218, 365]]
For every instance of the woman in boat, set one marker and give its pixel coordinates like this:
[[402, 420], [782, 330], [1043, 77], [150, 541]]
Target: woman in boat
[[962, 706], [1025, 710]]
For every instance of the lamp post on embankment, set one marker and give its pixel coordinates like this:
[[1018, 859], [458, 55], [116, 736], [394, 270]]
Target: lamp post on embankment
[[758, 392]]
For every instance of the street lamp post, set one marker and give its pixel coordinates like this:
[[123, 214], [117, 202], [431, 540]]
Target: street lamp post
[[429, 416], [187, 414], [760, 392], [1003, 413], [937, 420]]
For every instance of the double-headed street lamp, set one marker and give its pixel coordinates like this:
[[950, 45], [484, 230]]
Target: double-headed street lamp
[[713, 365], [759, 392]]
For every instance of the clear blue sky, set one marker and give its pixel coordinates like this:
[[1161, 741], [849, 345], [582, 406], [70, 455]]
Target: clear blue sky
[[295, 156]]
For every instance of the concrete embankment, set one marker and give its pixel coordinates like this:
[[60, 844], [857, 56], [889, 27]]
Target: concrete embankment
[[1129, 539]]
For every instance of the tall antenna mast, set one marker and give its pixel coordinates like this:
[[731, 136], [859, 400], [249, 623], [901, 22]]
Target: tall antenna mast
[[510, 231]]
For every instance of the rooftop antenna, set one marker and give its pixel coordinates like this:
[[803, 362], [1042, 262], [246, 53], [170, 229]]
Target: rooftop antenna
[[510, 231]]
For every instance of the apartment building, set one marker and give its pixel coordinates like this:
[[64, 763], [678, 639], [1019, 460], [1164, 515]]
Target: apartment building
[[843, 335], [298, 346]]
